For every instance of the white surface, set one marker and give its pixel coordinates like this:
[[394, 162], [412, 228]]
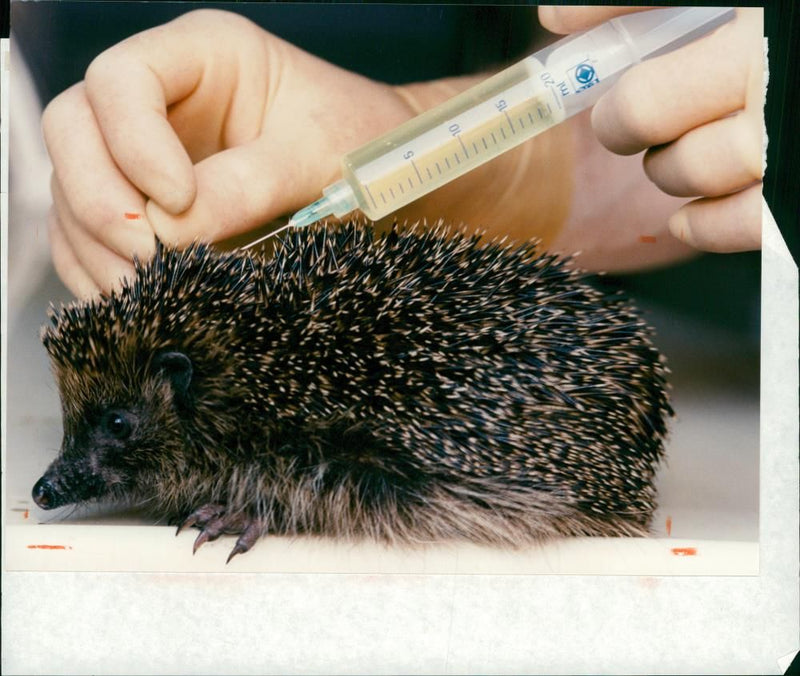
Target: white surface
[[149, 548]]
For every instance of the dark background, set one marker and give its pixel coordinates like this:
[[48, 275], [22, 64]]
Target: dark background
[[407, 42]]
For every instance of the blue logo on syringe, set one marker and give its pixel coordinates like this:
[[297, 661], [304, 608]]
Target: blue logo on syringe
[[584, 76]]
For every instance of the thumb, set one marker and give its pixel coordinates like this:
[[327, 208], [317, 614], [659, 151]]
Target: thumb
[[564, 20], [238, 190]]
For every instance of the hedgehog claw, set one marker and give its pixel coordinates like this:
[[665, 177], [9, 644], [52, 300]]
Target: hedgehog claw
[[237, 549], [213, 521], [201, 516], [210, 531], [246, 540], [200, 541], [186, 523]]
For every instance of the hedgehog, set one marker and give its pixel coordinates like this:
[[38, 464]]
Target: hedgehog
[[417, 386]]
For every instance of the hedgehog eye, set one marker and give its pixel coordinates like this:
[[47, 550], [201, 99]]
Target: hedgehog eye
[[117, 424]]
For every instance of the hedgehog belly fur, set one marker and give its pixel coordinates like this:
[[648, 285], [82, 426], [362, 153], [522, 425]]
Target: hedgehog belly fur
[[411, 387]]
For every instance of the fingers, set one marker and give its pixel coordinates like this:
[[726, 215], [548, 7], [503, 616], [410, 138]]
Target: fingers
[[236, 187], [132, 115], [97, 220], [196, 90], [88, 181], [711, 160], [665, 97], [129, 87], [177, 93], [66, 263], [721, 224], [102, 265], [572, 19], [84, 265], [699, 110]]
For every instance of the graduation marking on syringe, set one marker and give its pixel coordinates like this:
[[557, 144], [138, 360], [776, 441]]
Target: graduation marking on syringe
[[369, 194], [418, 174], [510, 124]]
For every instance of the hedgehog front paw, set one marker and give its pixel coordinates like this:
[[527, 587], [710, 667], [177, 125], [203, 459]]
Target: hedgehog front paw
[[213, 521]]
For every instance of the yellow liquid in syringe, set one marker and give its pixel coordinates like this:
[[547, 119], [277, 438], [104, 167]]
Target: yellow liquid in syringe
[[452, 139]]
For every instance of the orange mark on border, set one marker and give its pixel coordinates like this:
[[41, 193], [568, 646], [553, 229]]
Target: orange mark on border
[[48, 547], [25, 515], [647, 239], [669, 526], [684, 551], [132, 215]]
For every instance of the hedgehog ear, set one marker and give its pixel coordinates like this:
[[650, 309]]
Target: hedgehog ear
[[177, 368]]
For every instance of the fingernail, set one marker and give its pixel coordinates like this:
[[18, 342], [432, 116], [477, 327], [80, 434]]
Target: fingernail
[[163, 224], [680, 228]]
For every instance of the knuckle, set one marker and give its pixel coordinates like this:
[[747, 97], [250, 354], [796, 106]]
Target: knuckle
[[101, 218], [634, 115], [627, 123], [101, 69], [58, 114], [91, 210], [216, 18], [105, 70]]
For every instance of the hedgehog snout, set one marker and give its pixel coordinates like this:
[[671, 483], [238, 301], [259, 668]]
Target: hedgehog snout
[[71, 480], [46, 496]]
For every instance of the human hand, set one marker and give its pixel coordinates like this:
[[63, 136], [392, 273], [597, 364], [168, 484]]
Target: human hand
[[699, 113], [202, 128]]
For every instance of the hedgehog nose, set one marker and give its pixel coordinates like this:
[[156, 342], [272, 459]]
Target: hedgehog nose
[[44, 494]]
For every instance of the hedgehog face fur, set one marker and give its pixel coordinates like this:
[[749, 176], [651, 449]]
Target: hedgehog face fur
[[412, 387]]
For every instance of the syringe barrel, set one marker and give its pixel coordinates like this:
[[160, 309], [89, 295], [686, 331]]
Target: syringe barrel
[[512, 106], [451, 139]]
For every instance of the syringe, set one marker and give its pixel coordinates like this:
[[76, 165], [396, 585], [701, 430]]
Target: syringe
[[510, 107]]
